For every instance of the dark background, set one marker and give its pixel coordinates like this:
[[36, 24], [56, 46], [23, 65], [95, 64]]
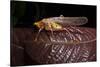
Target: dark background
[[24, 14]]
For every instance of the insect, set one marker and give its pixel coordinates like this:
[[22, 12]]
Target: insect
[[59, 23]]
